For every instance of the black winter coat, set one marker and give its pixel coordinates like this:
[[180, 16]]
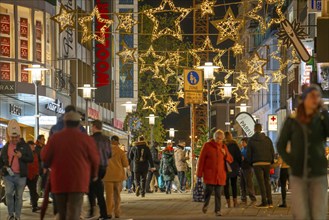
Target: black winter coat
[[27, 157], [234, 150], [141, 156], [260, 149], [155, 157]]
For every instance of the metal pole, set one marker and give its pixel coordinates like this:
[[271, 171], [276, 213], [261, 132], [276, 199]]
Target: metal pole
[[192, 147], [36, 127], [128, 125], [152, 130], [227, 114], [209, 109], [86, 116]]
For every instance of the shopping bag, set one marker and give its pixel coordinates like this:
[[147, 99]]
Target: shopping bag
[[198, 192]]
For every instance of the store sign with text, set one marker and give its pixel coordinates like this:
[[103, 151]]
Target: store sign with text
[[93, 113], [56, 107], [43, 120], [7, 87], [67, 37], [193, 86], [246, 122], [15, 110]]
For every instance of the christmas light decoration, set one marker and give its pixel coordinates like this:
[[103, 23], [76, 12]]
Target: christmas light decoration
[[166, 72], [180, 80], [64, 18], [208, 47], [277, 77], [228, 27], [256, 85], [241, 93], [180, 94], [177, 32], [242, 78], [229, 73], [256, 64], [154, 67], [207, 7], [126, 22], [171, 106], [151, 102], [86, 35], [127, 54], [237, 49], [280, 16]]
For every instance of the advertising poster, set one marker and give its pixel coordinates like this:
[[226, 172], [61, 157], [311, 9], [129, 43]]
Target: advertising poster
[[38, 52], [24, 73], [23, 28], [5, 46], [38, 30], [4, 71], [24, 49], [4, 24]]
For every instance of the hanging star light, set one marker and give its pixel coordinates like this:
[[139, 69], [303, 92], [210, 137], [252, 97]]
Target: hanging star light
[[207, 7], [295, 58], [171, 106], [126, 22], [64, 18], [208, 47], [154, 67], [180, 80], [242, 78], [127, 54], [256, 85], [229, 73], [256, 64], [280, 16], [228, 27], [237, 49], [165, 74], [180, 94], [174, 58], [277, 77], [215, 86], [177, 32], [86, 35], [241, 93], [151, 102]]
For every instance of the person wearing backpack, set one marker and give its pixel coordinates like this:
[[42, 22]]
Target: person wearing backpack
[[168, 167], [143, 162]]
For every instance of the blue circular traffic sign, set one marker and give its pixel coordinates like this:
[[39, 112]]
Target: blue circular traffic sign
[[193, 77]]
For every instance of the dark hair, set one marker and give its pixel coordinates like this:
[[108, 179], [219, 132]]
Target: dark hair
[[228, 135], [98, 124], [245, 139], [72, 124], [30, 143], [115, 138], [258, 127], [40, 137], [70, 108]]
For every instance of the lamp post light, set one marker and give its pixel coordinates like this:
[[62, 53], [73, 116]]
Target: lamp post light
[[243, 107], [36, 74], [227, 95], [86, 94], [129, 109], [152, 118], [172, 133], [208, 71]]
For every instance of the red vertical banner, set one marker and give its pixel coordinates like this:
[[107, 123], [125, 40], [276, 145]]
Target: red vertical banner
[[24, 49], [38, 52], [4, 24], [4, 71], [5, 46], [24, 27], [24, 73], [38, 30]]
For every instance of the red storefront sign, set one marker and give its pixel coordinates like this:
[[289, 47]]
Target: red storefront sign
[[5, 46], [4, 24], [24, 73], [4, 71], [117, 124], [38, 30], [24, 49], [38, 52], [23, 27], [93, 113]]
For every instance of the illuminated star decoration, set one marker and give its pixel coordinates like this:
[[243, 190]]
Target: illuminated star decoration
[[207, 7], [177, 33], [280, 16], [228, 27], [171, 106], [64, 18], [278, 76], [241, 93], [229, 73], [127, 54], [86, 35], [156, 63], [180, 94], [256, 85], [151, 102], [242, 78], [126, 22], [256, 64], [237, 49], [180, 80], [208, 47]]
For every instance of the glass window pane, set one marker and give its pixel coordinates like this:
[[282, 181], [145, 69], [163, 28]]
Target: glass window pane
[[7, 31], [25, 34]]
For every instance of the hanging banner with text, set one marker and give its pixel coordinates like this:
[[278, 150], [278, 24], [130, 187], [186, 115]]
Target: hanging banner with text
[[247, 123], [193, 86]]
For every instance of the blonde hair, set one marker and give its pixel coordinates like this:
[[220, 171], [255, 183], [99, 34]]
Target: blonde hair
[[217, 132]]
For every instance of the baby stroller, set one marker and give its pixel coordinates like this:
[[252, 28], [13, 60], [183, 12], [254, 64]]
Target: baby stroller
[[274, 177]]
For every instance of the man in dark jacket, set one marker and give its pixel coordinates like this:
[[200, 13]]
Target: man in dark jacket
[[96, 188], [15, 156], [260, 153], [142, 159], [156, 161]]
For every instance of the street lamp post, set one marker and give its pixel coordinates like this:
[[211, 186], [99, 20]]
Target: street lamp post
[[151, 118], [86, 94], [243, 107], [172, 133], [227, 95], [36, 78], [129, 109], [208, 70]]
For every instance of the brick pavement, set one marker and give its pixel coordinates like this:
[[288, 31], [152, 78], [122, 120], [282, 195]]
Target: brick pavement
[[174, 206]]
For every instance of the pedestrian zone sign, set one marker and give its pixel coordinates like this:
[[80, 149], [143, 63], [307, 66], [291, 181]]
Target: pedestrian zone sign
[[193, 86]]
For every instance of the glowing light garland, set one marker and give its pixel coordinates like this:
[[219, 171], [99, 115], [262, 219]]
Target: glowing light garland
[[64, 18], [156, 64], [229, 27], [86, 35], [126, 22], [180, 94], [237, 49], [127, 54], [256, 64], [180, 80], [241, 93], [177, 33], [154, 102], [207, 7], [256, 85], [171, 106]]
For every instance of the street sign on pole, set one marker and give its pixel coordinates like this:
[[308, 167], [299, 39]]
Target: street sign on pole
[[272, 123], [193, 86]]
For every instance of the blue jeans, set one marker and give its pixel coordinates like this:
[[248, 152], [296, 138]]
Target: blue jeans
[[182, 180], [14, 186], [309, 198]]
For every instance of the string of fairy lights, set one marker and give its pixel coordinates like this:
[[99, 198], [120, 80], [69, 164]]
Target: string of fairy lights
[[164, 65]]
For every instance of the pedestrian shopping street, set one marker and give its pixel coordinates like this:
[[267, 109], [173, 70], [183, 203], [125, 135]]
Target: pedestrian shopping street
[[174, 206]]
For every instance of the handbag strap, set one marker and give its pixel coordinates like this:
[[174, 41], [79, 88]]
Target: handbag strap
[[12, 160]]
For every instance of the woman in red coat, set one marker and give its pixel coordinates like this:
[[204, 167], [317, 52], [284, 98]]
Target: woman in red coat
[[212, 168]]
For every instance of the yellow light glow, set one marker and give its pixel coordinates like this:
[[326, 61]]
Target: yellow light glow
[[127, 54], [171, 106], [126, 22], [64, 18], [207, 7], [158, 59], [256, 65], [150, 102], [237, 49]]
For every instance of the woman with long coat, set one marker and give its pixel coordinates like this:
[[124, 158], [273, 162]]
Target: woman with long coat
[[212, 167], [168, 168]]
